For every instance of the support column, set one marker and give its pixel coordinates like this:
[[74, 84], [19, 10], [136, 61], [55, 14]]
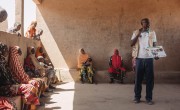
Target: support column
[[22, 17], [37, 1], [19, 14]]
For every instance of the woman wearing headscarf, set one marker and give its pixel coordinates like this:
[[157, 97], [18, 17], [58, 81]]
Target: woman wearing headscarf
[[82, 58], [16, 66], [6, 80], [115, 64], [48, 62], [20, 75], [38, 36], [33, 65], [15, 29], [85, 66], [17, 86], [5, 76], [33, 72], [31, 33], [50, 73]]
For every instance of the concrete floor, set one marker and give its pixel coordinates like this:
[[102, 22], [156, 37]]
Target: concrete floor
[[76, 96]]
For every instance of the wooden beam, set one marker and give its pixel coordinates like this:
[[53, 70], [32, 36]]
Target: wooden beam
[[37, 1]]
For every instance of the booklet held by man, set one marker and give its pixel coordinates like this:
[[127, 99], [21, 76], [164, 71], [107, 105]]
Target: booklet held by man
[[157, 51]]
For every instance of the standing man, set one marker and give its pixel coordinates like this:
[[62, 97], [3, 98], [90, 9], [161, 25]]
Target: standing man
[[141, 39]]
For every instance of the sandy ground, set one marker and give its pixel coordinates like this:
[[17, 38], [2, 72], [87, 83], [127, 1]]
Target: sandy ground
[[77, 96]]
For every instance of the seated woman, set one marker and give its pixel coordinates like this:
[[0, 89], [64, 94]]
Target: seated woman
[[50, 73], [116, 68], [35, 73], [13, 85], [16, 67], [38, 36], [31, 32], [15, 29], [48, 62], [32, 66], [85, 66]]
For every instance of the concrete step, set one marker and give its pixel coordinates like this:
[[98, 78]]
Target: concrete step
[[103, 77]]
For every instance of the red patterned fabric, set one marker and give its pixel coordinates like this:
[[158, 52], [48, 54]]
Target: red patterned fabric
[[116, 63], [29, 93], [28, 63], [16, 67], [5, 104], [35, 83], [116, 60]]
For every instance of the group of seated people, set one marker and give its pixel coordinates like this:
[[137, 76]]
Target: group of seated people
[[30, 80], [31, 32], [87, 72]]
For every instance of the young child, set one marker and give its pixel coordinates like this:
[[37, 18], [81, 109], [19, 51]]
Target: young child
[[41, 62], [89, 70], [88, 62]]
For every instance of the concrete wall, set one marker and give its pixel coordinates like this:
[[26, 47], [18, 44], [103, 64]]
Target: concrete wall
[[4, 25], [99, 26]]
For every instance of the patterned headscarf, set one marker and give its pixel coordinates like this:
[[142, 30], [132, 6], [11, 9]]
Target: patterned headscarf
[[3, 14], [16, 24], [33, 23], [5, 73], [16, 66], [40, 31], [81, 50], [3, 48]]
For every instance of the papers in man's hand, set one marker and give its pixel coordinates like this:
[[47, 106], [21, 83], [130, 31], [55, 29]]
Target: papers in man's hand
[[156, 51]]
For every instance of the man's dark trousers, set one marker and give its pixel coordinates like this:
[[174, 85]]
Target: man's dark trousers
[[144, 66]]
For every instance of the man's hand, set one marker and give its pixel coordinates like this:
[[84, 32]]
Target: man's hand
[[140, 31], [156, 58]]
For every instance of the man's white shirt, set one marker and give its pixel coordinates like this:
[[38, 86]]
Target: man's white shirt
[[144, 43]]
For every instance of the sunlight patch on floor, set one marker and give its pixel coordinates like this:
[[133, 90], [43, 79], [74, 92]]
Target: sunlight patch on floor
[[62, 98]]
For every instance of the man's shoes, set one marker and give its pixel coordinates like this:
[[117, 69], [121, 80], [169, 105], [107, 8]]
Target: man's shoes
[[48, 90], [149, 102], [51, 87], [136, 101], [112, 81]]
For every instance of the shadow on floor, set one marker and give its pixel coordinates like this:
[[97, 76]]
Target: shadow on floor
[[53, 108]]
